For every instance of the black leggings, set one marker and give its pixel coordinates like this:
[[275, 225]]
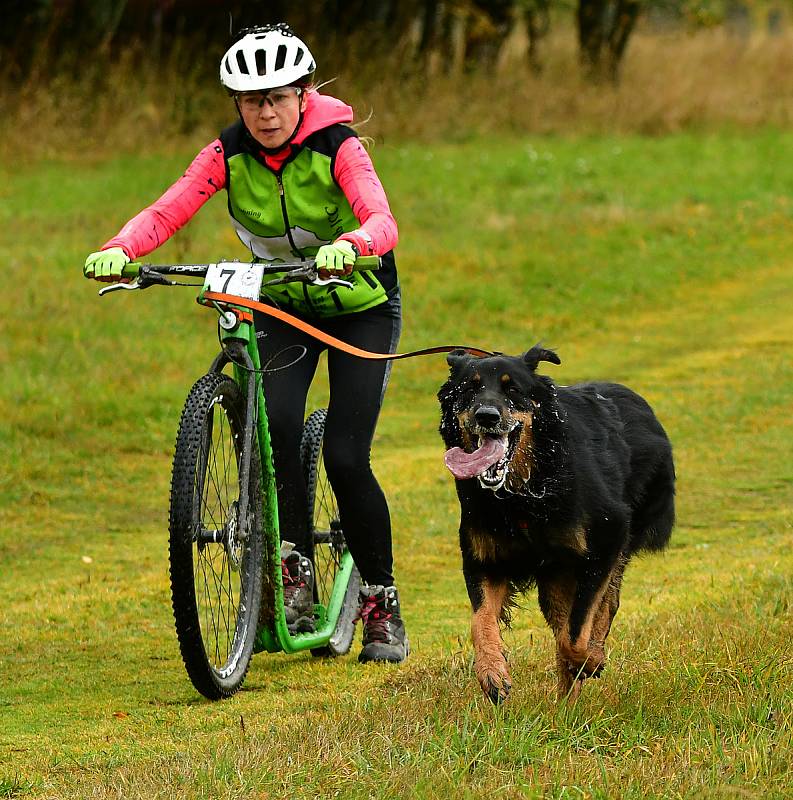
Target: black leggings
[[356, 394]]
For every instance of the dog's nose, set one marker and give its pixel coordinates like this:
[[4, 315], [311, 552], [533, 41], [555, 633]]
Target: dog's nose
[[487, 416]]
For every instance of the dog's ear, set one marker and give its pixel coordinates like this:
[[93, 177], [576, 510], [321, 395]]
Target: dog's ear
[[533, 357], [457, 359]]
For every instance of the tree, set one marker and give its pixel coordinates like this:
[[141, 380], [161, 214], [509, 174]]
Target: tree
[[604, 27]]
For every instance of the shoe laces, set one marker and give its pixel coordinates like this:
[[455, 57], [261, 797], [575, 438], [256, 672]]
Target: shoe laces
[[370, 609], [375, 618], [290, 580]]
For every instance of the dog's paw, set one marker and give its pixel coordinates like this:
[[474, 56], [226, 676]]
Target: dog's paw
[[583, 662], [583, 671], [494, 678], [497, 691]]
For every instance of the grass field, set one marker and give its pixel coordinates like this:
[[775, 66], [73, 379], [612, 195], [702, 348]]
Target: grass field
[[663, 263]]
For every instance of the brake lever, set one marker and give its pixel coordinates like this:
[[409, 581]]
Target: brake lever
[[308, 274], [146, 277], [116, 286], [332, 282]]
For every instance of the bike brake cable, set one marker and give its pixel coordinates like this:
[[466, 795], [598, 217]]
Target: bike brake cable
[[266, 369]]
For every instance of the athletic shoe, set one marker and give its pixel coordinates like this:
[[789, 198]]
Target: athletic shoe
[[384, 636], [298, 593]]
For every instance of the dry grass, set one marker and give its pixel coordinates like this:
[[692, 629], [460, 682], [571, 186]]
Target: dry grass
[[670, 82]]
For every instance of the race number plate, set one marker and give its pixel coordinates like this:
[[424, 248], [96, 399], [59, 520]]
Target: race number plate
[[235, 278]]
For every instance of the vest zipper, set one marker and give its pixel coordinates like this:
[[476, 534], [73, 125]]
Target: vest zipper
[[292, 244]]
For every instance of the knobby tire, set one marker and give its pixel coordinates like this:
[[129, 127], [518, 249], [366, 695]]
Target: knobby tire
[[216, 587]]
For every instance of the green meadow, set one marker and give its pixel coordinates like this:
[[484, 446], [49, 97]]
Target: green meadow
[[663, 263]]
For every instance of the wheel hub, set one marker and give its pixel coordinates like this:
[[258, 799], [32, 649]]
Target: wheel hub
[[233, 537]]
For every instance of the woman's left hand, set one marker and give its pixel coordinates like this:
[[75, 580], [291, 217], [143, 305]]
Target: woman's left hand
[[338, 257]]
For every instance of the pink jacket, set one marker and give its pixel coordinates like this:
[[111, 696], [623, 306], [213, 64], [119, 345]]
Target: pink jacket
[[353, 171]]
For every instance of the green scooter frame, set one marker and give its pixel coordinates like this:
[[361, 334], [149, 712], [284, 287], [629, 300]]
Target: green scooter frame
[[272, 634]]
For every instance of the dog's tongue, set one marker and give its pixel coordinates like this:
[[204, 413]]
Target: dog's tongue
[[468, 465]]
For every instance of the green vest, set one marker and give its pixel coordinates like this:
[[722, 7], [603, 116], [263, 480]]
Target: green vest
[[289, 215]]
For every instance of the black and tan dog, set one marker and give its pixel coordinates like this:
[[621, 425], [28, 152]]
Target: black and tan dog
[[558, 487]]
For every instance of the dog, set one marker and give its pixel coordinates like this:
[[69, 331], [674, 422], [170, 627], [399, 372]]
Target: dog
[[558, 487]]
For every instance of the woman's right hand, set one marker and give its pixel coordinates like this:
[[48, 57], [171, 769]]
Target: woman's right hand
[[106, 265]]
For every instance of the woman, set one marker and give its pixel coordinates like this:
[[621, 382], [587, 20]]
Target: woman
[[300, 185]]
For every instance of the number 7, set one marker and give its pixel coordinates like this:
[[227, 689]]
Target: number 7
[[230, 273]]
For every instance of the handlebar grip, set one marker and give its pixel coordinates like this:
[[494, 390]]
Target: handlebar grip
[[130, 269], [367, 262]]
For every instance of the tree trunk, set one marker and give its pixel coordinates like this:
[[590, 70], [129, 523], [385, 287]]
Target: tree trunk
[[591, 19], [538, 21], [604, 27], [623, 23]]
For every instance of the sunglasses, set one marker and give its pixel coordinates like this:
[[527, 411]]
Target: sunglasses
[[280, 97]]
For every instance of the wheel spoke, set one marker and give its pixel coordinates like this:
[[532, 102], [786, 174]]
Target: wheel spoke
[[212, 469], [328, 539], [208, 626], [219, 487], [326, 562]]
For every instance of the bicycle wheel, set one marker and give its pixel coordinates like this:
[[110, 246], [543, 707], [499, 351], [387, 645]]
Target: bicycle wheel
[[216, 558], [327, 538]]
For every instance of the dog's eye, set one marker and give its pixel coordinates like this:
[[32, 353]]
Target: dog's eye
[[464, 394], [520, 398]]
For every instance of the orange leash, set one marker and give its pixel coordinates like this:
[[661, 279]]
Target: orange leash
[[332, 341]]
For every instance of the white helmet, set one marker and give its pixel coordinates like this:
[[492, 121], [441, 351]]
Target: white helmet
[[266, 57]]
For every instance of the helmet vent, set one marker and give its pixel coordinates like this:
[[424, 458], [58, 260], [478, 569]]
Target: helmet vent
[[241, 62], [280, 56], [261, 62], [298, 56]]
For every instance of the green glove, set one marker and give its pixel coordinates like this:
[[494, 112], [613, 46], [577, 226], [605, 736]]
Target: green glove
[[336, 257], [106, 265]]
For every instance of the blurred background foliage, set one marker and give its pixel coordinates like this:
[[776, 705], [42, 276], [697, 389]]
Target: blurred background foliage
[[430, 36], [140, 68]]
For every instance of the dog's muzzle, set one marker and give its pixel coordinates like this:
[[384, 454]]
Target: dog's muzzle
[[496, 435], [487, 417]]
